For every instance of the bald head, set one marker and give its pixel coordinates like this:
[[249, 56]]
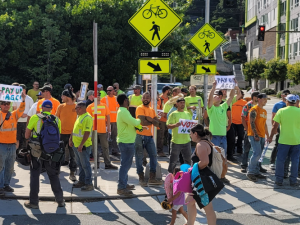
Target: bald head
[[110, 91]]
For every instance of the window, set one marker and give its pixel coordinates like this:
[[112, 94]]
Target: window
[[295, 48], [282, 8], [296, 3], [294, 24], [291, 3], [298, 48], [274, 14], [282, 28], [281, 52]]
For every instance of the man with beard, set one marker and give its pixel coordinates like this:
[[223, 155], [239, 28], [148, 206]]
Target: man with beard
[[144, 139]]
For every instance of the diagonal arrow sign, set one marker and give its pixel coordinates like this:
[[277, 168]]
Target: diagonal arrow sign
[[206, 69], [155, 67]]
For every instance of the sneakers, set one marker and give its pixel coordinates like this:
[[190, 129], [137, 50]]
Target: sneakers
[[145, 163], [111, 167], [286, 175], [262, 170], [79, 184], [30, 206], [252, 177], [244, 170], [72, 176], [61, 204], [8, 189], [161, 154], [116, 154], [152, 180], [225, 180], [2, 192], [142, 181], [130, 187], [272, 166], [125, 192], [88, 187], [260, 176], [296, 184]]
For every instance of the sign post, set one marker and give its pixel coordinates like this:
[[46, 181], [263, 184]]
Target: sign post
[[154, 98], [95, 135]]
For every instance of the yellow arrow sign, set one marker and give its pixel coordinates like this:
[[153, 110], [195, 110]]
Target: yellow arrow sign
[[154, 21], [154, 66], [205, 69], [206, 39]]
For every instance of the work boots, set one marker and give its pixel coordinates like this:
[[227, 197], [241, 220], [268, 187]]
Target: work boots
[[153, 180], [72, 176], [142, 181]]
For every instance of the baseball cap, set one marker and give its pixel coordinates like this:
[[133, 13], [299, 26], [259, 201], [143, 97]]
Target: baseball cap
[[254, 94], [291, 98], [286, 92], [90, 93], [218, 92], [47, 104], [184, 90], [99, 86], [180, 100], [67, 86], [262, 95], [46, 88], [23, 86], [39, 94], [139, 87], [297, 96]]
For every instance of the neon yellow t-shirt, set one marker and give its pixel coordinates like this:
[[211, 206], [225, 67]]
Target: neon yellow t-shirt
[[289, 121], [218, 119], [173, 119], [82, 124], [192, 101]]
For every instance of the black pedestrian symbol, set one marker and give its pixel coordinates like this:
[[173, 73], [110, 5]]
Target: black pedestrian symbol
[[206, 46], [156, 29]]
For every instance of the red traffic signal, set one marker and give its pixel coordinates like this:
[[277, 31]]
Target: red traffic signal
[[262, 28], [261, 33]]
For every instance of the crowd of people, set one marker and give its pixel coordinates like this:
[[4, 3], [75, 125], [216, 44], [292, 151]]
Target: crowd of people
[[124, 128]]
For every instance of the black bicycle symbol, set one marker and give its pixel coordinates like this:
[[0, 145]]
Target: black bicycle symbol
[[161, 13], [207, 33]]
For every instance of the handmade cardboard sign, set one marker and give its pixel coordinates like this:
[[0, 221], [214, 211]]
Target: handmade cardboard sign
[[186, 126], [10, 93], [159, 113], [225, 82]]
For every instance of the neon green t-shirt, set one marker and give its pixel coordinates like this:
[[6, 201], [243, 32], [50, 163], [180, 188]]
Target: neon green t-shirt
[[192, 101], [173, 119], [218, 119], [135, 101], [102, 94], [32, 93], [34, 121], [82, 124], [289, 120], [126, 124]]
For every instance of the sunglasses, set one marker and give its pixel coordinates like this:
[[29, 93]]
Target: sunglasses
[[5, 103], [109, 90]]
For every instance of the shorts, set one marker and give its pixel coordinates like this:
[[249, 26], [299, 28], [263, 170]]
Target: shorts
[[21, 128], [176, 207]]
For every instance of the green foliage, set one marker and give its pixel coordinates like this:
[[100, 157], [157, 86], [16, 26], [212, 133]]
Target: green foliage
[[268, 91], [248, 88], [278, 95], [293, 72], [254, 69], [276, 70], [235, 57]]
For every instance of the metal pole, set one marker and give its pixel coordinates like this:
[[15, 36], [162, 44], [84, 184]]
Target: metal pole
[[154, 97], [207, 7], [95, 135], [200, 111]]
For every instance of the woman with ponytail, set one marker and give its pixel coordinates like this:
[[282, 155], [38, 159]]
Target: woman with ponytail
[[203, 157]]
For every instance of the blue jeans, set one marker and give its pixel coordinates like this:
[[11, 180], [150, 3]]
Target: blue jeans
[[83, 162], [7, 160], [282, 153], [147, 142], [257, 147], [220, 141], [127, 151], [246, 150]]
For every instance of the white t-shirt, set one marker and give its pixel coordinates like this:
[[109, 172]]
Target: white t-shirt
[[28, 105], [32, 110]]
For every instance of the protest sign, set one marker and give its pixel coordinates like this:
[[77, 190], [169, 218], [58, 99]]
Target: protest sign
[[83, 91], [186, 126], [225, 82], [159, 113], [10, 93]]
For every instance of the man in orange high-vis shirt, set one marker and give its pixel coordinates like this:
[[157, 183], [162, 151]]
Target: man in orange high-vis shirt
[[103, 127], [111, 102], [8, 139], [46, 92]]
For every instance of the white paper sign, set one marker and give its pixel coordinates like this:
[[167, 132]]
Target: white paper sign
[[83, 91], [160, 113], [10, 93], [186, 126], [225, 82]]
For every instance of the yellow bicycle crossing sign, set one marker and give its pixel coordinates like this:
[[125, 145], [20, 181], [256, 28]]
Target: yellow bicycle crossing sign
[[206, 39], [154, 21]]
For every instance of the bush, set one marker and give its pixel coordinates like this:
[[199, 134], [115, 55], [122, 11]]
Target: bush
[[268, 91], [248, 88], [278, 95]]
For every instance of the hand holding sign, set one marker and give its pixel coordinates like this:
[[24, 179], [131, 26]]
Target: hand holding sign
[[225, 82]]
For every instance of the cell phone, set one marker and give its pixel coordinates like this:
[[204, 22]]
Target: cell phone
[[83, 148]]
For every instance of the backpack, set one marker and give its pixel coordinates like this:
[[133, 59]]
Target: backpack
[[49, 135]]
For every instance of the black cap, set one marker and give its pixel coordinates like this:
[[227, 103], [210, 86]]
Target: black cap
[[180, 100], [254, 94], [184, 90], [46, 88], [286, 92], [218, 92], [67, 86], [262, 95]]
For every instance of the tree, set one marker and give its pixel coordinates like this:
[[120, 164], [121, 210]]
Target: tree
[[254, 69], [276, 70], [293, 72]]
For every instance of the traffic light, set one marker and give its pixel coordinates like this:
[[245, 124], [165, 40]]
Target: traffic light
[[261, 33], [227, 4]]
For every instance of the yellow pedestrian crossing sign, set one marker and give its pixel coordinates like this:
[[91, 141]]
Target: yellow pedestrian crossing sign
[[154, 66], [205, 69], [206, 39], [154, 21]]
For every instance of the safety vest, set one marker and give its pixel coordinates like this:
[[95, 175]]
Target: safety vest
[[77, 132], [135, 101], [99, 107], [107, 103], [37, 131]]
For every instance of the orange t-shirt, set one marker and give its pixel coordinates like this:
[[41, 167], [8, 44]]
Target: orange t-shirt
[[260, 121], [8, 131], [55, 104], [102, 112], [67, 115], [236, 111], [164, 119], [113, 107], [145, 111]]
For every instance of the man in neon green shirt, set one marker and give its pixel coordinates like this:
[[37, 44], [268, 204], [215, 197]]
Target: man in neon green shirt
[[100, 91], [81, 142], [191, 102], [180, 142], [126, 138], [117, 90], [135, 100], [51, 167]]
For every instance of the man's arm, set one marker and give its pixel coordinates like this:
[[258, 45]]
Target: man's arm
[[273, 131], [27, 133], [205, 117], [231, 95], [108, 123], [211, 95], [244, 122], [229, 120], [171, 123], [252, 124], [273, 115], [266, 131]]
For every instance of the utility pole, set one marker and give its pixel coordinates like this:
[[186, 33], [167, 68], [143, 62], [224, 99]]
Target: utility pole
[[207, 8], [154, 97]]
